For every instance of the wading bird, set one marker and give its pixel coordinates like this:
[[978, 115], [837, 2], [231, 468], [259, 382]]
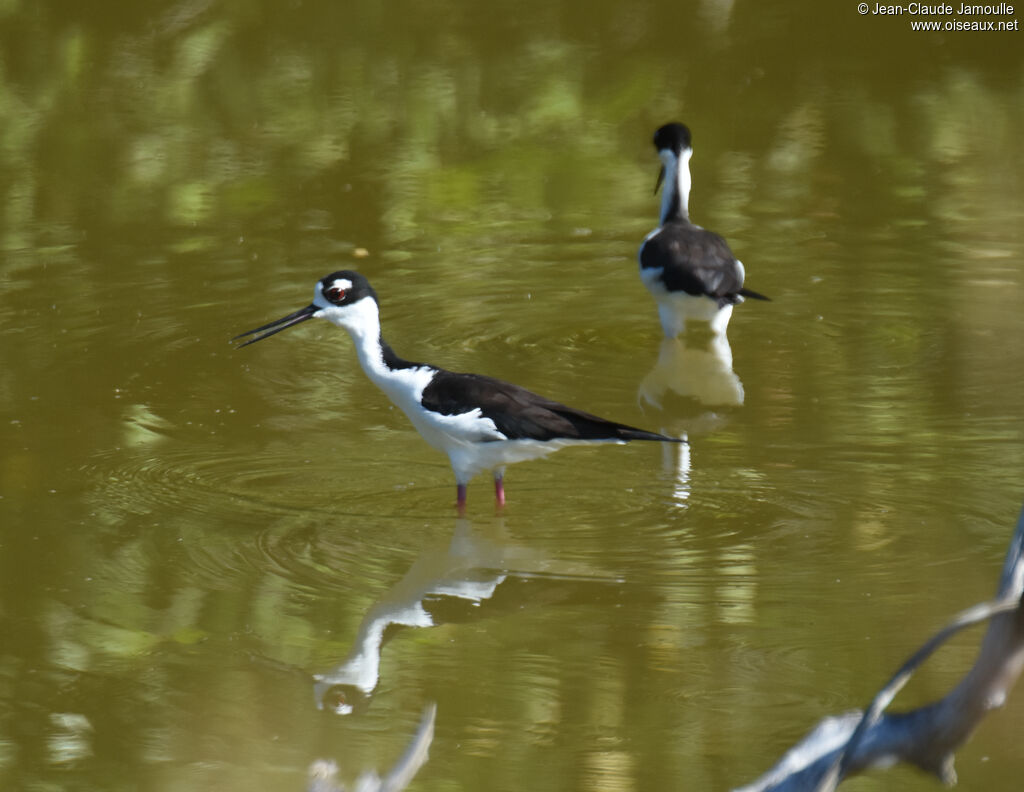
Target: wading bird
[[690, 271], [481, 423]]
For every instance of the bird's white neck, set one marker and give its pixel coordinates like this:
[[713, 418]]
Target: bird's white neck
[[675, 194], [362, 321], [402, 381]]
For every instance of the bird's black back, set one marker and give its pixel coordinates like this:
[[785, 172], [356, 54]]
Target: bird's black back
[[520, 414], [695, 261]]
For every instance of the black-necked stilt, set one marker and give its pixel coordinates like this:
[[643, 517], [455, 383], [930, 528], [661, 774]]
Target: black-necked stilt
[[690, 271], [480, 422]]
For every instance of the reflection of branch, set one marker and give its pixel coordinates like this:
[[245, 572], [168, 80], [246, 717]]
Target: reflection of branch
[[323, 773], [414, 757], [843, 746]]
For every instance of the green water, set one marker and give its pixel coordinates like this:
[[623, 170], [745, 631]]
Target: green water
[[188, 533]]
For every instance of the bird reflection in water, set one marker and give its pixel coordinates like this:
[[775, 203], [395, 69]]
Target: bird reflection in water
[[323, 773], [692, 370], [691, 383], [469, 570]]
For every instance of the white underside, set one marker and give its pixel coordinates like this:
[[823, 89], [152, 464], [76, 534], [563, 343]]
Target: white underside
[[675, 309], [469, 459]]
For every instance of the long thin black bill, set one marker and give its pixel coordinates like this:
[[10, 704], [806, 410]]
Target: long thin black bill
[[661, 178], [278, 325]]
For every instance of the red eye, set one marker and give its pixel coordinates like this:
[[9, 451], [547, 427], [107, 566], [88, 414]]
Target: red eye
[[335, 295]]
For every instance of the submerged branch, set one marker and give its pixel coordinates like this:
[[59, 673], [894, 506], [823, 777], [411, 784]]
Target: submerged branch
[[842, 746]]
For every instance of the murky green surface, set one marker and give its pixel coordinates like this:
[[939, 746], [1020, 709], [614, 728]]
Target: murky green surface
[[188, 533]]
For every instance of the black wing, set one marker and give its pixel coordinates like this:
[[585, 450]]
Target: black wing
[[520, 414], [695, 261]]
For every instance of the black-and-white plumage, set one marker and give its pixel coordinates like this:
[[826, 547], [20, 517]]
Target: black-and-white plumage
[[481, 423], [691, 271]]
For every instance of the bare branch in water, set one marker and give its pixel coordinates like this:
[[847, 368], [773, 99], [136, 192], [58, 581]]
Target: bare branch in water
[[845, 745]]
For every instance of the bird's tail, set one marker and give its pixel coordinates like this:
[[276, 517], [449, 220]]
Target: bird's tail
[[753, 295], [631, 433]]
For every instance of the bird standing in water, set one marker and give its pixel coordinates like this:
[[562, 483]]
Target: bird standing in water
[[691, 271], [481, 423]]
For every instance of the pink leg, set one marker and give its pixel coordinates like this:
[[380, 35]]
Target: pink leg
[[499, 490], [460, 498]]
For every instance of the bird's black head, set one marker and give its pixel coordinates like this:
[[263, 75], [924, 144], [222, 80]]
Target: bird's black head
[[344, 287], [333, 299], [674, 137]]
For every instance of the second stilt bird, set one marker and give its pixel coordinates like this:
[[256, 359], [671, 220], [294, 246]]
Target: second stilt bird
[[690, 271], [481, 423]]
